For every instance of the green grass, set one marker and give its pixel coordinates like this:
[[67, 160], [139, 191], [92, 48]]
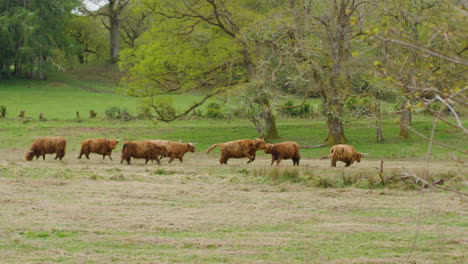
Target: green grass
[[205, 132], [156, 218]]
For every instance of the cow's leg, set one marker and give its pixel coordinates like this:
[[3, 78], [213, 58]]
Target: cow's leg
[[296, 161], [121, 160], [103, 156], [110, 157], [43, 155], [223, 159], [272, 159], [172, 157], [348, 163], [181, 159], [158, 161], [81, 154], [279, 159], [128, 160], [333, 163]]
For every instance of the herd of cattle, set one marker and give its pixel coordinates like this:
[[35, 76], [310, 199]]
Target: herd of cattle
[[151, 150]]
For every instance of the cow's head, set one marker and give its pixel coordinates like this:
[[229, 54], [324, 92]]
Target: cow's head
[[112, 143], [163, 150], [29, 155], [260, 144], [357, 157], [191, 147], [268, 148]]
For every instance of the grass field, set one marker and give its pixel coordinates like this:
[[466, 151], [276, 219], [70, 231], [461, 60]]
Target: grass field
[[80, 211], [199, 212]]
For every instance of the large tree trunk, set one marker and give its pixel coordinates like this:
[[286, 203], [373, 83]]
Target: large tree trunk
[[114, 38], [335, 131], [405, 120], [270, 125], [378, 121]]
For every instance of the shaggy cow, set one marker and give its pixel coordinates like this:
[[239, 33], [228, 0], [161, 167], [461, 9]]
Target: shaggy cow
[[284, 150], [239, 149], [175, 149], [142, 150], [47, 145], [98, 145], [344, 153]]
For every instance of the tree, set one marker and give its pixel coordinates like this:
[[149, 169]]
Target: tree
[[223, 25], [88, 37], [133, 23], [31, 31], [427, 55], [321, 35], [111, 10]]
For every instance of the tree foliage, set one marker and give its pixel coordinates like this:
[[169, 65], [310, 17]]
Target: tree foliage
[[30, 32]]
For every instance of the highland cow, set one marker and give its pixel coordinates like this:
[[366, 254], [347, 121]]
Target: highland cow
[[47, 145], [175, 149], [142, 150], [344, 153], [98, 145], [239, 149], [284, 150]]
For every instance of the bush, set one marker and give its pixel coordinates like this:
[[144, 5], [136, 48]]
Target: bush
[[115, 113], [214, 111], [301, 110], [2, 111], [359, 106]]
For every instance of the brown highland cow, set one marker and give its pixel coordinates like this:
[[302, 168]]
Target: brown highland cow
[[47, 145], [239, 149], [142, 150], [98, 145], [283, 150], [344, 153], [175, 149]]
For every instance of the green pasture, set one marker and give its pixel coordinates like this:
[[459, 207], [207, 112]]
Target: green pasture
[[205, 132], [95, 87]]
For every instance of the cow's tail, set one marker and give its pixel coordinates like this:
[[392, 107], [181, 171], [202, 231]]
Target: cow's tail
[[212, 147], [328, 156]]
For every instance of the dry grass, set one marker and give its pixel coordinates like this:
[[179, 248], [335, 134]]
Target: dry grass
[[80, 211]]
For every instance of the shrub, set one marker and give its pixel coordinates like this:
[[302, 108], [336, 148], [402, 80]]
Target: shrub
[[214, 111], [115, 113], [292, 110], [2, 111], [112, 112], [359, 106]]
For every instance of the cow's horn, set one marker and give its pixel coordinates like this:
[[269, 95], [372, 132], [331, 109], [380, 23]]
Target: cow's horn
[[364, 154], [180, 140], [30, 151], [118, 139]]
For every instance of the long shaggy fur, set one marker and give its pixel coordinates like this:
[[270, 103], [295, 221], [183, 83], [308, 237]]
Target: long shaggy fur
[[239, 149], [175, 149], [142, 150], [283, 150], [47, 145], [101, 146], [344, 153]]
